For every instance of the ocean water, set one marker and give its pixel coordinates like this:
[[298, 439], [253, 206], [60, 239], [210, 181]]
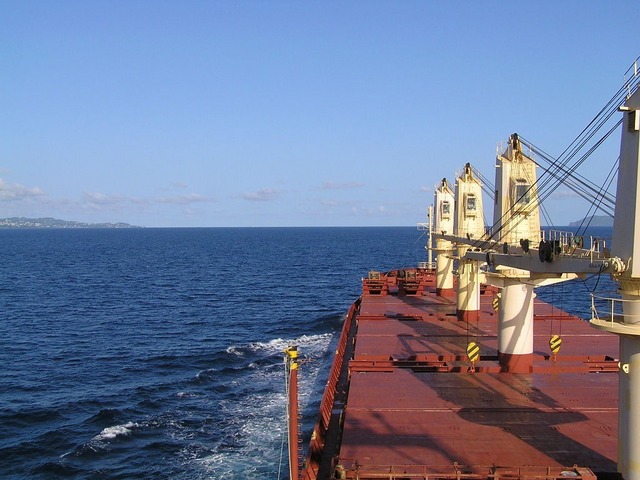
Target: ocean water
[[157, 353]]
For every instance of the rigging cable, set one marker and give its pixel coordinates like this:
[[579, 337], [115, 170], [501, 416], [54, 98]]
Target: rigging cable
[[610, 177], [576, 182], [546, 179], [559, 166]]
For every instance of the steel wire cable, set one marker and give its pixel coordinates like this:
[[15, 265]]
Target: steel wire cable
[[548, 186], [584, 188], [485, 183], [610, 177], [576, 145], [552, 177], [545, 184], [578, 183]]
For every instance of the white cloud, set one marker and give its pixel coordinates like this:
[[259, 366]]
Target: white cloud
[[341, 185], [564, 194], [264, 195], [96, 200], [18, 200], [15, 191], [186, 199]]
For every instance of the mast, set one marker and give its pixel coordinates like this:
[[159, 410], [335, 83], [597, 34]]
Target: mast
[[469, 223], [430, 239], [626, 246], [291, 360]]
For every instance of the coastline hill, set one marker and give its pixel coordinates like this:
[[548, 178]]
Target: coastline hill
[[22, 222], [594, 221]]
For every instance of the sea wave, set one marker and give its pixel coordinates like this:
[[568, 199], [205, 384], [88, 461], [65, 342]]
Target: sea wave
[[312, 343], [118, 354], [115, 431]]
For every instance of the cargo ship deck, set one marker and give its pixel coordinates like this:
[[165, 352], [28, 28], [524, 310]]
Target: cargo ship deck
[[405, 401]]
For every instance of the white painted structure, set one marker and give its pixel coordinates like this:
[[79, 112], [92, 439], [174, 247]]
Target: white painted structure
[[516, 215], [518, 267], [469, 223], [626, 246], [444, 221], [444, 201], [468, 291], [510, 261], [469, 218], [515, 326]]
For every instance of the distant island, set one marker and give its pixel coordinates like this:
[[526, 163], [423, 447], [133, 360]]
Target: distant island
[[22, 222], [594, 221]]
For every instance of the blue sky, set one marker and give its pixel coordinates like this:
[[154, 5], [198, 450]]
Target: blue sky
[[290, 113]]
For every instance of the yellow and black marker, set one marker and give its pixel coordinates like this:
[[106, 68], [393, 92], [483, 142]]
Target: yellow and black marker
[[473, 352], [554, 344], [496, 302]]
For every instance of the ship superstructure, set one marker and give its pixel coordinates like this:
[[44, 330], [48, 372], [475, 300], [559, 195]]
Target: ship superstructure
[[460, 371]]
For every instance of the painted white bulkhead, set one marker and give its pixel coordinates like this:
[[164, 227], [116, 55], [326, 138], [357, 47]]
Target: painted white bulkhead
[[444, 203], [516, 215], [469, 218]]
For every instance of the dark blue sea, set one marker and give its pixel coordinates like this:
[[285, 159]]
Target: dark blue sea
[[157, 353]]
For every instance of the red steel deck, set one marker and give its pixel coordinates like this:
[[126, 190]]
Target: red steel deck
[[410, 406]]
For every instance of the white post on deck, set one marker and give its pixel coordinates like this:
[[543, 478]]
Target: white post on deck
[[515, 327], [468, 293]]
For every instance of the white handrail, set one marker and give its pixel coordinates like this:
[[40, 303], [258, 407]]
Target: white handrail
[[614, 308]]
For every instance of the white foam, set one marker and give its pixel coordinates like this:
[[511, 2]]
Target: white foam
[[110, 433], [233, 350], [248, 443], [310, 342], [187, 394]]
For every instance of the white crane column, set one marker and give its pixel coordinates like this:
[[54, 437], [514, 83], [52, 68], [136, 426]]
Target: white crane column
[[444, 268], [515, 327], [444, 210], [626, 248], [629, 417], [629, 385], [468, 293]]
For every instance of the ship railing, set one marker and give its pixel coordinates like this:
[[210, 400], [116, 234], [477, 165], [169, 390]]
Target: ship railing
[[568, 243], [457, 472], [426, 265], [564, 238], [326, 405], [311, 466], [630, 75], [502, 146], [611, 309]]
